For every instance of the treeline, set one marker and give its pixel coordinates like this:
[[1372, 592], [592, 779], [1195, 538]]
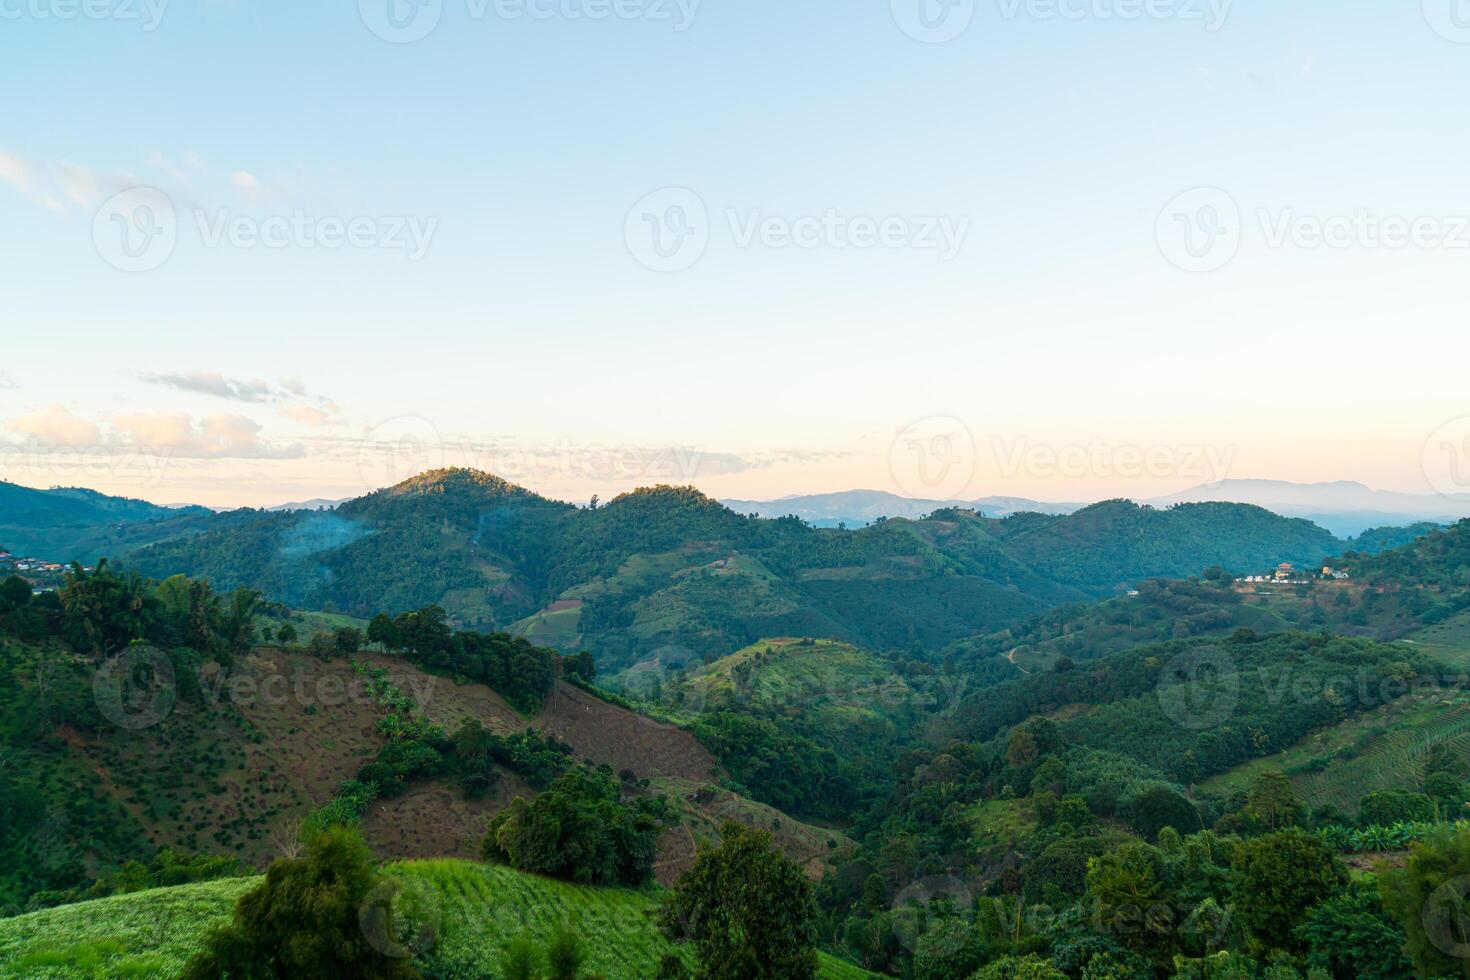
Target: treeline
[[512, 666], [101, 612]]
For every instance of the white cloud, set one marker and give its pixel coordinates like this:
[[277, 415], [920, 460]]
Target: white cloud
[[167, 434], [217, 436], [7, 383], [56, 427], [245, 181]]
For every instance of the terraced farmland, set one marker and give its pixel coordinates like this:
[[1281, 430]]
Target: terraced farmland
[[1383, 749], [474, 910]]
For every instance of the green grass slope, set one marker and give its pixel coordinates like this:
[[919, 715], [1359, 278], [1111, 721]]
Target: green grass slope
[[478, 910]]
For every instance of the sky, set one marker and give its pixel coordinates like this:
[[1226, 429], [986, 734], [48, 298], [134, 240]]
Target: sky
[[257, 251]]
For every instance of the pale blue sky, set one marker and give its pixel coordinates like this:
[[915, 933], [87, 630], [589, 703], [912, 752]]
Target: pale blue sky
[[529, 324]]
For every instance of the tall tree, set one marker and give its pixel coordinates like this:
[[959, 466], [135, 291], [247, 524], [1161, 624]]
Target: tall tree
[[304, 921], [748, 909]]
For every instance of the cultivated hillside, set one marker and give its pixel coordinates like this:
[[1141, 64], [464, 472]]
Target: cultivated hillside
[[668, 573], [246, 752], [468, 915]]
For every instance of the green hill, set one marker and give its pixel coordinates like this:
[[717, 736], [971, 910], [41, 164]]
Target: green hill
[[668, 567], [70, 523], [474, 910]]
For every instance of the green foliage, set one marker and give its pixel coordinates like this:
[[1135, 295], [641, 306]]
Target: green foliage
[[304, 920], [1278, 878], [521, 673], [748, 910], [779, 766], [1350, 935], [580, 830], [1391, 806], [1428, 898], [1140, 694], [1019, 968], [564, 954], [1161, 807]]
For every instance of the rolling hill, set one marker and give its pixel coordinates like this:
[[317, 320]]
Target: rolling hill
[[246, 752], [667, 571], [66, 523]]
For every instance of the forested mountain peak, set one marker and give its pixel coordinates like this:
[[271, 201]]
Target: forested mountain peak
[[457, 480]]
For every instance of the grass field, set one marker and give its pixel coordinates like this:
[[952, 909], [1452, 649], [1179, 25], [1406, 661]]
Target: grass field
[[474, 910], [821, 676], [1447, 642]]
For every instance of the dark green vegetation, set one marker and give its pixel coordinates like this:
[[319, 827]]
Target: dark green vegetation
[[581, 830], [748, 911], [304, 921], [54, 689], [671, 568]]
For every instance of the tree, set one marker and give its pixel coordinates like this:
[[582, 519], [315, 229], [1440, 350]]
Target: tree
[[581, 666], [348, 640], [1279, 877], [382, 632], [103, 611], [1428, 898], [1272, 802], [1161, 807], [304, 921], [1020, 968], [286, 634], [1387, 806], [580, 830], [1350, 935], [1447, 792], [1130, 896], [748, 909]]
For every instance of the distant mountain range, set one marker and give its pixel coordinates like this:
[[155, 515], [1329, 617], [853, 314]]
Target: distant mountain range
[[1343, 508], [670, 569]]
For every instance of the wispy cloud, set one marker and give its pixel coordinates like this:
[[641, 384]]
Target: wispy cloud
[[57, 185], [324, 413], [214, 383], [7, 383]]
